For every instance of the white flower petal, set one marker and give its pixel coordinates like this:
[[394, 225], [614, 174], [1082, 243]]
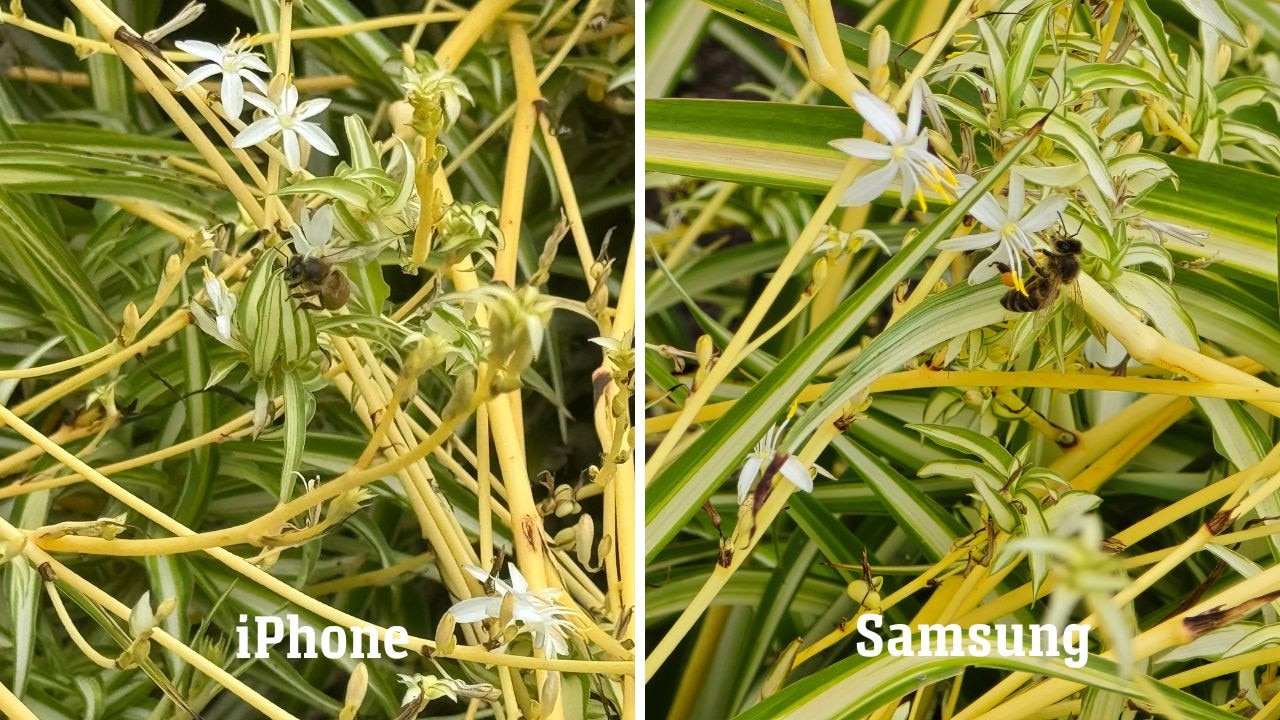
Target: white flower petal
[[256, 132], [316, 137], [797, 473], [478, 573], [865, 149], [518, 583], [988, 212], [202, 50], [913, 110], [254, 80], [311, 107], [200, 74], [880, 115], [232, 95], [869, 186], [252, 61], [971, 242], [262, 102], [907, 190], [292, 153], [1044, 214], [476, 609], [224, 326], [1017, 195], [288, 100], [750, 469]]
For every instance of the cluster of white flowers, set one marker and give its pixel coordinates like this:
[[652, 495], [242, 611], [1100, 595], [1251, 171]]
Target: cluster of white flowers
[[537, 613], [905, 152], [282, 114]]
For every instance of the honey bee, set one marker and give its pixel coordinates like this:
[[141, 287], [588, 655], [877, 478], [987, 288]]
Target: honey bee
[[1057, 267], [317, 277]]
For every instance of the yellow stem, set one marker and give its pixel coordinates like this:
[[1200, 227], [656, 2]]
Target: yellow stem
[[1093, 380], [12, 707]]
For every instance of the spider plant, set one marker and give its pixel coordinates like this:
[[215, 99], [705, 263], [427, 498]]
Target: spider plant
[[837, 191], [321, 311]]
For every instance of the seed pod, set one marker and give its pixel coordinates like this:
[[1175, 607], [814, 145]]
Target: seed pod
[[586, 531]]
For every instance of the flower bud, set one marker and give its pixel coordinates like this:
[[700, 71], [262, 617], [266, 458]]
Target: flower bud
[[878, 60], [132, 323], [357, 686], [400, 115], [446, 642]]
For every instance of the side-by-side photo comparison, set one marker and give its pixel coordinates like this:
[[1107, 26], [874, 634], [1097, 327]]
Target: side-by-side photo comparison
[[605, 360], [959, 373], [317, 359]]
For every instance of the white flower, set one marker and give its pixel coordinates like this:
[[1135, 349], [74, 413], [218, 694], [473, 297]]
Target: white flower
[[234, 62], [223, 304], [536, 613], [1012, 228], [1160, 229], [906, 148], [289, 119], [792, 468], [314, 231]]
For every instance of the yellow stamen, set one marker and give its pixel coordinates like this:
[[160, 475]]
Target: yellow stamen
[[1017, 284], [920, 199]]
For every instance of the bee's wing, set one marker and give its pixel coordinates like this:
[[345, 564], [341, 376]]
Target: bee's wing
[[342, 254]]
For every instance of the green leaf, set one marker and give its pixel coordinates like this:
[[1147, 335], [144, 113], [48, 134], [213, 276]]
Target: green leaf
[[969, 442], [1212, 13], [919, 516], [1152, 29], [858, 686]]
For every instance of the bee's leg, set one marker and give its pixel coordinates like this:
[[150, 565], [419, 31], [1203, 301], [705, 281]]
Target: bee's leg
[[1007, 278], [306, 300], [1122, 370], [1037, 266]]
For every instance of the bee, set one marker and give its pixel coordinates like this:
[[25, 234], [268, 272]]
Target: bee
[[1056, 268], [317, 277]]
